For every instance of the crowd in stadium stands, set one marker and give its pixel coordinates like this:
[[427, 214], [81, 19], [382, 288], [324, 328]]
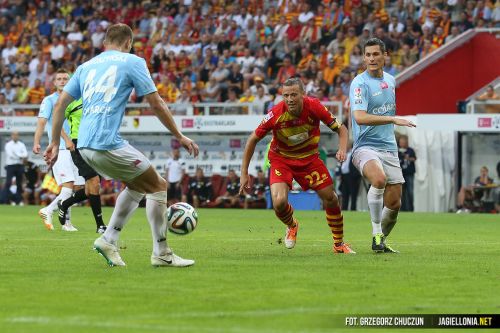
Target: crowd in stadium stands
[[234, 51]]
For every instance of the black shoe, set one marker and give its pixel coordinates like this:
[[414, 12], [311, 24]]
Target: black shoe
[[61, 214], [101, 229], [378, 243]]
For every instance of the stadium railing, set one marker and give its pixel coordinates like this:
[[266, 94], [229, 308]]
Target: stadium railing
[[490, 106], [181, 109]]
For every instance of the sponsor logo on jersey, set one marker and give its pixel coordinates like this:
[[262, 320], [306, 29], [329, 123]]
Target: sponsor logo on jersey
[[298, 138], [377, 93], [357, 92], [268, 116], [384, 109]]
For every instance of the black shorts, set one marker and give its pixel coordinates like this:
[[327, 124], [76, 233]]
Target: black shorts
[[84, 169], [174, 192]]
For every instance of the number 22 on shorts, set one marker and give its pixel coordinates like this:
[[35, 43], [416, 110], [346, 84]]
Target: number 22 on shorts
[[315, 179]]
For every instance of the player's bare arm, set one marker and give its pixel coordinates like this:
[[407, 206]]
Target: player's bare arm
[[161, 111], [363, 118], [67, 140], [247, 156], [52, 150], [343, 137], [40, 127]]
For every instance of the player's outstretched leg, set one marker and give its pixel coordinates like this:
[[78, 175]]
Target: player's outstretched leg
[[46, 212], [335, 219], [392, 201], [67, 226], [92, 186], [63, 205], [126, 203], [284, 212], [375, 199], [286, 216], [162, 256]]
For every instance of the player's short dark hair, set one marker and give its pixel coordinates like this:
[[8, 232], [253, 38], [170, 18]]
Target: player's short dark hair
[[294, 81], [118, 34], [373, 42]]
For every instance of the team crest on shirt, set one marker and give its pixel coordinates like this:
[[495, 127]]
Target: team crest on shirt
[[357, 92], [384, 85], [277, 172]]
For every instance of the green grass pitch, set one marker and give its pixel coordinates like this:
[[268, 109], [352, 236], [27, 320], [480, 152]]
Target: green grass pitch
[[244, 280]]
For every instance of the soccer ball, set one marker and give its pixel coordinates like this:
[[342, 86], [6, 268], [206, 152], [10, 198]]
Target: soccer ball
[[181, 218]]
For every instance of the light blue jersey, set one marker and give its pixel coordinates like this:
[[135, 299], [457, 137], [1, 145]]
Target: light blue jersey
[[105, 83], [46, 110], [376, 96]]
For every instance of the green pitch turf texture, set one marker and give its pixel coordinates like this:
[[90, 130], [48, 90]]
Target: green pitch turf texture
[[244, 280]]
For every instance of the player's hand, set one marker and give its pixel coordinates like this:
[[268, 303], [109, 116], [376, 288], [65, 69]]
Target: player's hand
[[245, 184], [37, 148], [190, 146], [50, 154], [403, 122], [341, 156], [70, 145]]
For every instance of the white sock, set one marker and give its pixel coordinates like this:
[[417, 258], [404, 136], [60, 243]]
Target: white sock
[[156, 207], [65, 193], [389, 219], [376, 203], [68, 215], [126, 203]]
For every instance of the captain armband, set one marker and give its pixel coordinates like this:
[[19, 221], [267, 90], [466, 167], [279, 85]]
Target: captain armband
[[335, 124]]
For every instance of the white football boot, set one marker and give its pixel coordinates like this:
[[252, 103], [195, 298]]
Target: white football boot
[[170, 260], [68, 227], [109, 251], [46, 218]]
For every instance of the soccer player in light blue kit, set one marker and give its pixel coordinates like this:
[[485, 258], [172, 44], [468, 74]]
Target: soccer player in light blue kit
[[105, 83], [375, 153], [64, 171]]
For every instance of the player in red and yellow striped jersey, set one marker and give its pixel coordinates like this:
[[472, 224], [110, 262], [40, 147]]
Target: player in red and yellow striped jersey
[[293, 154]]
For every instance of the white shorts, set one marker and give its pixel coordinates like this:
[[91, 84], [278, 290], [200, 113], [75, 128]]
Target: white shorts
[[64, 170], [388, 160], [125, 163]]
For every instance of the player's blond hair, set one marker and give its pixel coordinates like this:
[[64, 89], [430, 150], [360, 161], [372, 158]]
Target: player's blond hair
[[294, 81], [118, 34]]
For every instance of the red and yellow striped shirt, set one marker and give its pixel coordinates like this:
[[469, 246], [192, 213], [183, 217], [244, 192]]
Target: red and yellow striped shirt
[[296, 138]]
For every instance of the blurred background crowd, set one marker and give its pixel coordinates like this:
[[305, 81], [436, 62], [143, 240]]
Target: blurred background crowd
[[227, 51]]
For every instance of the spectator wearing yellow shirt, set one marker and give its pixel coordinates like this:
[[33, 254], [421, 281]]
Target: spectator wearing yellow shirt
[[167, 90], [25, 47], [306, 58], [22, 92], [350, 41], [247, 98], [330, 72], [37, 93]]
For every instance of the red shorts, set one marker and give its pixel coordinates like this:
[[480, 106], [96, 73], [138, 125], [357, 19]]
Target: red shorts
[[313, 175]]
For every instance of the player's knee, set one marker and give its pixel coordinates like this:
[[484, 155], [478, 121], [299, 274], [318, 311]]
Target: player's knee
[[92, 187], [279, 204], [394, 204], [379, 181]]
